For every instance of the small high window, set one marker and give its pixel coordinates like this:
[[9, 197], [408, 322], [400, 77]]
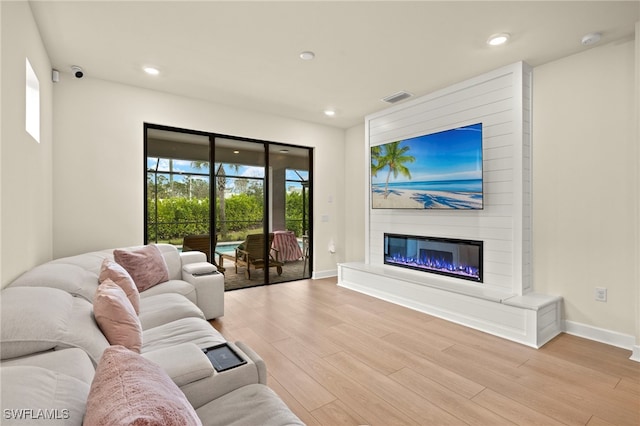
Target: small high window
[[32, 113]]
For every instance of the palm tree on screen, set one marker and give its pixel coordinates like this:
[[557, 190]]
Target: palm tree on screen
[[393, 156]]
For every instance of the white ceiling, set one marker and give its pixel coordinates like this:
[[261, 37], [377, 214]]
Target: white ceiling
[[245, 54]]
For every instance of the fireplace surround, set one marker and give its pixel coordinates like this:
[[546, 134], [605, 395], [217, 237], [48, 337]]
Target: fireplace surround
[[503, 302], [444, 256]]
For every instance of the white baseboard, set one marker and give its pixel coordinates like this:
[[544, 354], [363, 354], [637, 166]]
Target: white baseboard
[[324, 274], [635, 355], [613, 338]]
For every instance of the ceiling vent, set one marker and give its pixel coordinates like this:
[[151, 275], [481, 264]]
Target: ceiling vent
[[397, 97]]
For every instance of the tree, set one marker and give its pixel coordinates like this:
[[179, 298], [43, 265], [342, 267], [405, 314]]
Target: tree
[[391, 155], [294, 211], [200, 188], [162, 182], [241, 185], [221, 183]]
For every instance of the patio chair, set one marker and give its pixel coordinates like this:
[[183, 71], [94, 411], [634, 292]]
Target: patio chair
[[305, 254], [202, 243], [251, 254]]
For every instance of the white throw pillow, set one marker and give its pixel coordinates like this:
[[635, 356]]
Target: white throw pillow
[[34, 319]]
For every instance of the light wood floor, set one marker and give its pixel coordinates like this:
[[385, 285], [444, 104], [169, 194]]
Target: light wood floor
[[337, 357]]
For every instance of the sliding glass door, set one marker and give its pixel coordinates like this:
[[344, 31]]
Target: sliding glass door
[[245, 203], [177, 188], [241, 207]]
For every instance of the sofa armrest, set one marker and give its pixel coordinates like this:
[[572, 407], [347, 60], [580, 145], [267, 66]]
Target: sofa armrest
[[209, 291], [187, 257], [257, 360], [201, 392], [199, 268]]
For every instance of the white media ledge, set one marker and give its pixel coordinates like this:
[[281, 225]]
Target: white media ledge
[[532, 319]]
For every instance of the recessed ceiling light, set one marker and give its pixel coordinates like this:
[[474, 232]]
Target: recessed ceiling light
[[151, 70], [498, 39], [329, 112], [307, 55], [236, 152], [284, 151]]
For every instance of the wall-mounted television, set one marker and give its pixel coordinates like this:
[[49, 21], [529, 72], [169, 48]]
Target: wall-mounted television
[[440, 170]]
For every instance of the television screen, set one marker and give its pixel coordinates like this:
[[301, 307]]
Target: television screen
[[435, 171]]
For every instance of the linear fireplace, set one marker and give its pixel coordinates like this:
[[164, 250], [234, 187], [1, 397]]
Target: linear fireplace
[[444, 256]]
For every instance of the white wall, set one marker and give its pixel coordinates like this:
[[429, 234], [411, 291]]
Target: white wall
[[585, 185], [355, 207], [25, 165], [636, 348], [2, 281], [98, 161]]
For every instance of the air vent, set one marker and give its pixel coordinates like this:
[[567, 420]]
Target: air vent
[[397, 97]]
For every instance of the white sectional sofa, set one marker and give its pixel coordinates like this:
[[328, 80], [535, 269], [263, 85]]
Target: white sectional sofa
[[78, 276], [51, 345]]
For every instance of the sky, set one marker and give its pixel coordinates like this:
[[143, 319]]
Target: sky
[[187, 166], [449, 155]]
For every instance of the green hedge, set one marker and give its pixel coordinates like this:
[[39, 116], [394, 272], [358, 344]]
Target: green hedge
[[179, 216]]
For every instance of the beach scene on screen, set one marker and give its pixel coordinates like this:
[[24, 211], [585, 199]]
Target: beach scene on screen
[[440, 170]]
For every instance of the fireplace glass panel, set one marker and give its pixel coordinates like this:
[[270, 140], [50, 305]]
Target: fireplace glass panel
[[444, 256]]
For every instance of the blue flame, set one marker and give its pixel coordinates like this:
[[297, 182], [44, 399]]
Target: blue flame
[[435, 264]]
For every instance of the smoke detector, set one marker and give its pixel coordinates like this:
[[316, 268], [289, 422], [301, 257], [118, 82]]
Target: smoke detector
[[591, 38], [307, 55]]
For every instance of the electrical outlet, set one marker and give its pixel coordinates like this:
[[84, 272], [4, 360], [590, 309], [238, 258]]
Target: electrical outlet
[[601, 294]]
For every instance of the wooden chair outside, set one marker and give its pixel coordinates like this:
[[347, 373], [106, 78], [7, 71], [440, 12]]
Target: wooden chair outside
[[251, 254], [201, 243], [305, 254]]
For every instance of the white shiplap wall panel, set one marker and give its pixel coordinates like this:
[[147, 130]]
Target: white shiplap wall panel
[[495, 256], [498, 176], [501, 101], [432, 115], [498, 164], [497, 152], [480, 113], [441, 102]]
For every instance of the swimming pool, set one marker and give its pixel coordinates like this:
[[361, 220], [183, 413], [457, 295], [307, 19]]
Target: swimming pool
[[229, 247]]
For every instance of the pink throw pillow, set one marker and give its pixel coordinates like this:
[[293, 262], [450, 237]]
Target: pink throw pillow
[[145, 265], [116, 317], [116, 273], [128, 389]]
